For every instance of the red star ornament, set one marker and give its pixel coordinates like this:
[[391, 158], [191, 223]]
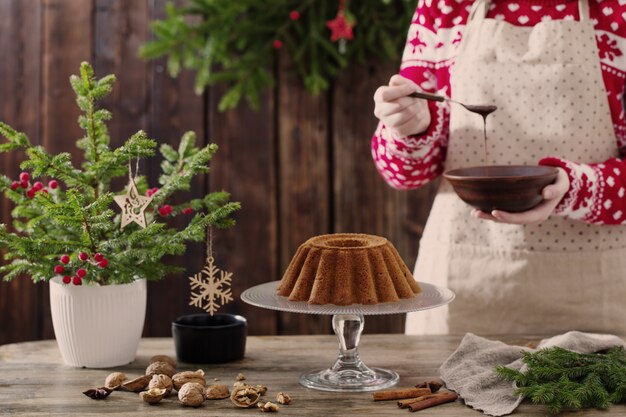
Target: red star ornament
[[340, 28]]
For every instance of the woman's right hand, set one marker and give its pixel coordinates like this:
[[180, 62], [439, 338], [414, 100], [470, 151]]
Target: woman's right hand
[[402, 114]]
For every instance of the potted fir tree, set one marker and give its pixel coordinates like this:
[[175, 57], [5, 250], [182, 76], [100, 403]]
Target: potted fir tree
[[95, 244]]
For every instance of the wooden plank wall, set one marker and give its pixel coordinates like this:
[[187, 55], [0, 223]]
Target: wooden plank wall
[[301, 165]]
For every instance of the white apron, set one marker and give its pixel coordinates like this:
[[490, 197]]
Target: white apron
[[550, 277]]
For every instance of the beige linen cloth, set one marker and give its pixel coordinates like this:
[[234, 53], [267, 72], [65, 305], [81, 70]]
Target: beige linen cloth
[[469, 371]]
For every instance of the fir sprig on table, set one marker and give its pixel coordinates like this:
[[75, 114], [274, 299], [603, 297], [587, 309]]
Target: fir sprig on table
[[234, 42], [77, 214], [562, 379]]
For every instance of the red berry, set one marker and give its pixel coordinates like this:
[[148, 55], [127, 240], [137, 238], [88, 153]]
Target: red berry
[[38, 186], [65, 259], [277, 44], [152, 191], [81, 273], [24, 176], [67, 280], [24, 184], [98, 257], [15, 185], [58, 269], [44, 191], [166, 210], [83, 256], [77, 281], [54, 184], [31, 193], [294, 15], [103, 263], [187, 210]]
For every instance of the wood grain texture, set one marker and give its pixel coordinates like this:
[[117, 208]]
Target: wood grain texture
[[304, 179], [20, 74], [34, 382], [174, 110]]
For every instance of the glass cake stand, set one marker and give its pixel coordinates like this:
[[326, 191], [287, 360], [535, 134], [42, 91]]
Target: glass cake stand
[[348, 373]]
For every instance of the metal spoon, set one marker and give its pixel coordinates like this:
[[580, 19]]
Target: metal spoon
[[483, 110]]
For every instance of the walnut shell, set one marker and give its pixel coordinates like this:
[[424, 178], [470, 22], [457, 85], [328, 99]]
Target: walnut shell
[[245, 396], [153, 395], [163, 358], [182, 378], [114, 380], [137, 384], [283, 398], [163, 382], [191, 394], [217, 392], [160, 368]]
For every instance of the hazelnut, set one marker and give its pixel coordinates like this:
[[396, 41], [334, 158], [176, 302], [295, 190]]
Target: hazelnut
[[137, 384], [153, 395], [160, 368], [163, 382], [268, 407], [217, 392], [114, 380], [191, 394], [163, 358], [245, 396], [283, 398], [182, 378]]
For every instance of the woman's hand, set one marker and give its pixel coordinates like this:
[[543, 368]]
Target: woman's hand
[[402, 114], [552, 195]]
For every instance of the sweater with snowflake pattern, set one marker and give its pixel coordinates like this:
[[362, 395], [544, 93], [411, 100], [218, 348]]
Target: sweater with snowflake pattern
[[597, 190]]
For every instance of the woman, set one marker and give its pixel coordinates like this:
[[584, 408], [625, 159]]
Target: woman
[[556, 70]]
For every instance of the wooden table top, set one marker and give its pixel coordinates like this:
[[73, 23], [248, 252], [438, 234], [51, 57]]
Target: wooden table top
[[34, 381]]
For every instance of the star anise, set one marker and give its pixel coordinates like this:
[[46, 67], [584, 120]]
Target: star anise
[[98, 393]]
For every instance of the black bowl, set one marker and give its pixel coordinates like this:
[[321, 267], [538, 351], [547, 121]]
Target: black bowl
[[201, 338], [512, 188]]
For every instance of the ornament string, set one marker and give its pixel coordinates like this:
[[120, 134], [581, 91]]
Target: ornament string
[[209, 243]]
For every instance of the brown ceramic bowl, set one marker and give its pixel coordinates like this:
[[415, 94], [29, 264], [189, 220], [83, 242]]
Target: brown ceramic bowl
[[513, 188]]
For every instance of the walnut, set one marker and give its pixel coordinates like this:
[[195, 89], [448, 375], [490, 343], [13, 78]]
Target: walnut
[[153, 395], [268, 407], [160, 368], [217, 392], [240, 376], [245, 396], [137, 384], [283, 398], [239, 384], [163, 382], [262, 389], [191, 394], [163, 358], [114, 380], [182, 378]]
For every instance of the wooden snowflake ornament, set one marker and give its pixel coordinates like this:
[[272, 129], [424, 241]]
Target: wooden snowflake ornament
[[208, 291]]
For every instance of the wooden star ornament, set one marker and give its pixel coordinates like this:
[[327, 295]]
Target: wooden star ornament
[[133, 206]]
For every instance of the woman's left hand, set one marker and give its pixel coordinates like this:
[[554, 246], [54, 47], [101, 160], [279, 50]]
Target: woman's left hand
[[552, 195]]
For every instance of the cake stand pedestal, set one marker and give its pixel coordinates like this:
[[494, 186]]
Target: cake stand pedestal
[[349, 373]]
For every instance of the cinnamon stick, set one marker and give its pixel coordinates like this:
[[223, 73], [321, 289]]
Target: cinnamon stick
[[431, 402], [409, 401], [400, 394]]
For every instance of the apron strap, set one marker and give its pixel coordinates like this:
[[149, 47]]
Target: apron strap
[[583, 10], [478, 11]]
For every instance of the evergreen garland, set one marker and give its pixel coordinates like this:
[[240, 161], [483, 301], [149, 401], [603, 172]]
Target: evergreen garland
[[234, 42], [77, 217], [562, 379]]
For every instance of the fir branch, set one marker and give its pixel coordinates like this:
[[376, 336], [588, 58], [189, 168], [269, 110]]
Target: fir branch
[[562, 379]]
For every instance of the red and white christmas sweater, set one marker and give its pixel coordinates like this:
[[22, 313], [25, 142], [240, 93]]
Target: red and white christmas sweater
[[597, 191]]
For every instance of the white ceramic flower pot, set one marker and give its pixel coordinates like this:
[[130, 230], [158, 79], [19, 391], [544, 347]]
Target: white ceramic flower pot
[[98, 326]]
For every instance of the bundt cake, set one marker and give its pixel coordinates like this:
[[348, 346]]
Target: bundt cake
[[347, 268]]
